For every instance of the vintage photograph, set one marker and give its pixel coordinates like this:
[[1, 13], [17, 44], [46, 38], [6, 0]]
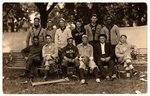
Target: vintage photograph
[[74, 48]]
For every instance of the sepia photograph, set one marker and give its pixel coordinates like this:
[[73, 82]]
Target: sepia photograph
[[74, 48]]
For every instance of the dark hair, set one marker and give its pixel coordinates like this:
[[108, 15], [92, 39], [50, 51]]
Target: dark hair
[[37, 18], [123, 36], [102, 35], [70, 38], [35, 37], [48, 36], [94, 15], [79, 20]]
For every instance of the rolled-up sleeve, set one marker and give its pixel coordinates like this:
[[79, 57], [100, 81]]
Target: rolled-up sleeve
[[43, 52]]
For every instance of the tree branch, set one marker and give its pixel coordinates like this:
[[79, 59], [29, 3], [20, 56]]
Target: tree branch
[[51, 8], [9, 10]]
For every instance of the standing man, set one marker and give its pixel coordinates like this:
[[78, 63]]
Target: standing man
[[86, 59], [50, 30], [112, 32], [70, 57], [61, 36], [93, 30], [49, 54], [35, 30], [104, 56], [78, 32], [32, 55]]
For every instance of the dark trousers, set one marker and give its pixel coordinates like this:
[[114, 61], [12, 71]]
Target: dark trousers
[[66, 63], [32, 63], [113, 51], [103, 71]]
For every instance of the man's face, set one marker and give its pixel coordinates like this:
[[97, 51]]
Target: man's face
[[62, 24], [78, 24], [102, 39], [35, 41], [94, 19], [109, 20], [36, 22], [84, 40], [48, 39], [49, 23], [70, 41], [123, 39]]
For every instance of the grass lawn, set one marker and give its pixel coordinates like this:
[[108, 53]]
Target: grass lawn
[[12, 84]]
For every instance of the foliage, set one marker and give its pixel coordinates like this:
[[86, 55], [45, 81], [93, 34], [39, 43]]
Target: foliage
[[124, 14]]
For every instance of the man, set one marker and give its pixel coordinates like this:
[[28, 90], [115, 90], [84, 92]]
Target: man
[[93, 30], [32, 55], [104, 56], [61, 36], [123, 52], [50, 30], [86, 59], [78, 32], [36, 30], [112, 32], [49, 54], [70, 56]]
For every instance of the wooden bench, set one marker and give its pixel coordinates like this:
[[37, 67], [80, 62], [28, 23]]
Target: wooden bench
[[15, 60]]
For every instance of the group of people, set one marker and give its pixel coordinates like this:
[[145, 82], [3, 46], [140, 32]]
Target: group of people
[[90, 46]]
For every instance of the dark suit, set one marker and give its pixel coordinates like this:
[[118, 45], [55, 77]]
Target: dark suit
[[98, 55]]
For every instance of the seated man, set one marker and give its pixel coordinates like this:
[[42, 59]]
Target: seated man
[[86, 59], [70, 56], [104, 56], [123, 52], [49, 54], [32, 55]]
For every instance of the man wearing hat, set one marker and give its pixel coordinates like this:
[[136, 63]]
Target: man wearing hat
[[61, 35], [104, 56], [123, 52], [70, 56], [86, 59]]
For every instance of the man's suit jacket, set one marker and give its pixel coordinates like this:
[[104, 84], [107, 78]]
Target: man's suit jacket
[[98, 51]]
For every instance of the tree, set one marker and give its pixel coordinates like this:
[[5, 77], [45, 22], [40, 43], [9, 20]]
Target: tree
[[42, 8], [12, 13]]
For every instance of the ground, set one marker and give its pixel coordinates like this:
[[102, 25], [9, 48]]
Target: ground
[[13, 84]]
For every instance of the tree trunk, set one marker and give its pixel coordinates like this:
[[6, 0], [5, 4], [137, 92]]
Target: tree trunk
[[44, 17]]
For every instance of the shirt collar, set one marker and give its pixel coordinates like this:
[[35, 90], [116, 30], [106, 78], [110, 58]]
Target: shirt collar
[[83, 45], [122, 43], [38, 27]]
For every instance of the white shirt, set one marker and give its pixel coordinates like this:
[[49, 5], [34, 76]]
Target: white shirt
[[103, 48], [61, 37]]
